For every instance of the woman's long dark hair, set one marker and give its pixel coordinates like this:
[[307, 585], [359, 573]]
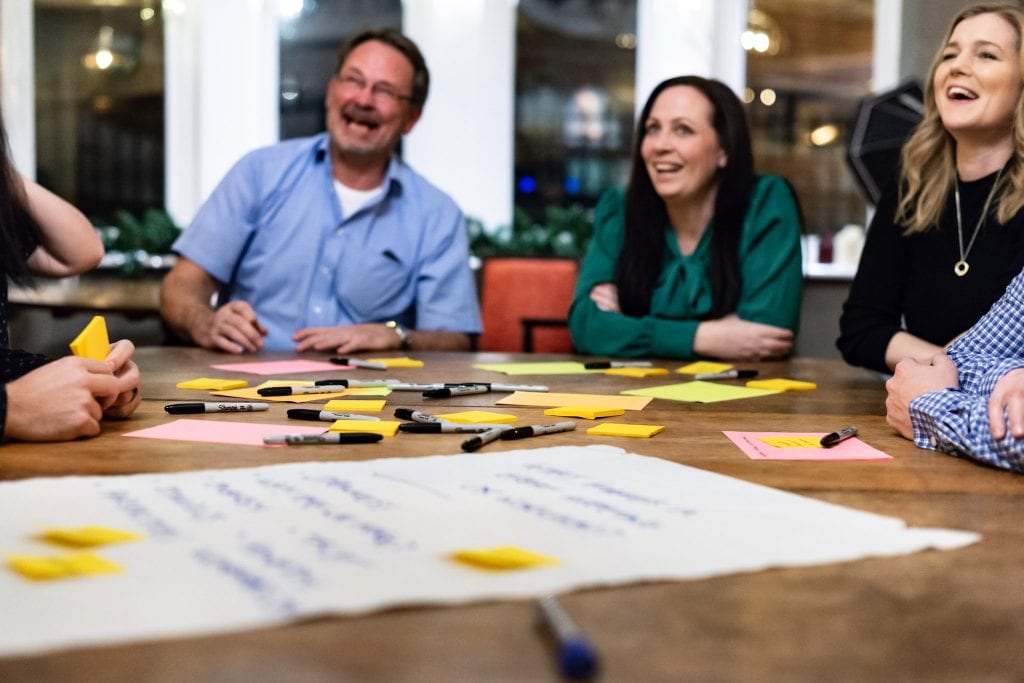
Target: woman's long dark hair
[[643, 252], [18, 232]]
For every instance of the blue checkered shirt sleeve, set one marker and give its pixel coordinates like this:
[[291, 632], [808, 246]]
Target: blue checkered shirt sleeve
[[955, 421]]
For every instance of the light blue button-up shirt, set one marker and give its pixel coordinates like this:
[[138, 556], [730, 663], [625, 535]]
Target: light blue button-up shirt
[[272, 234]]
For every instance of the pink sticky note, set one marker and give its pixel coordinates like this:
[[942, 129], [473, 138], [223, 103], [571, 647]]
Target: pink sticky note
[[281, 367], [850, 449], [221, 431]]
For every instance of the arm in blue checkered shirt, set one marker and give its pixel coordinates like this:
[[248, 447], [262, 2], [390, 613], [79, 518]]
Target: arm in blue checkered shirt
[[956, 421]]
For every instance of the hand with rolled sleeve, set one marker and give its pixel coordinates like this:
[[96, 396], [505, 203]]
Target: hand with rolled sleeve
[[66, 398]]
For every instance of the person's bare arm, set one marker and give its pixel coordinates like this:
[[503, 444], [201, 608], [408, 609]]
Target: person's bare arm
[[69, 244], [731, 338], [185, 296], [905, 345], [376, 337]]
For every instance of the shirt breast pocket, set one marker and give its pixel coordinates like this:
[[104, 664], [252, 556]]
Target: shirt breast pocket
[[376, 287]]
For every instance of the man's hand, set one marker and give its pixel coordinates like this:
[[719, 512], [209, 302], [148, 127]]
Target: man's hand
[[233, 327], [119, 363], [347, 338], [911, 379], [732, 338], [1006, 404]]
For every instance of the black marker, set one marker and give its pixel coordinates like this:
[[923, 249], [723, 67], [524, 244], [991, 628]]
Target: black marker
[[360, 363], [727, 374], [415, 415], [484, 437], [609, 364], [444, 427], [461, 390], [830, 440], [326, 438], [355, 382], [195, 408], [294, 391], [537, 430], [326, 415]]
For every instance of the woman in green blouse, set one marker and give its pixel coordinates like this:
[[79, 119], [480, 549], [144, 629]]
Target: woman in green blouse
[[698, 257]]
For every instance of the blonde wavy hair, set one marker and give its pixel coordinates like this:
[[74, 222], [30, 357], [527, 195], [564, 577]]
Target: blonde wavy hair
[[928, 158]]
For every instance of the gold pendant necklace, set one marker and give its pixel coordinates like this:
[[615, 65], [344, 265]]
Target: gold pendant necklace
[[961, 267]]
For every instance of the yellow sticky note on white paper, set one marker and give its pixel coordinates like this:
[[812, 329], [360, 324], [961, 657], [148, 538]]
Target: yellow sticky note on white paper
[[61, 566], [792, 441], [781, 384], [502, 558], [702, 366], [403, 362], [92, 341], [585, 412], [622, 429], [479, 417], [87, 536], [355, 405], [212, 384], [384, 427]]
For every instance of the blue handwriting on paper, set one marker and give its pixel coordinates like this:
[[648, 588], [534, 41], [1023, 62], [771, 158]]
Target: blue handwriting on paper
[[641, 498], [240, 499], [290, 569], [623, 515], [260, 588], [362, 497], [328, 550], [197, 510], [541, 511], [134, 508], [526, 481]]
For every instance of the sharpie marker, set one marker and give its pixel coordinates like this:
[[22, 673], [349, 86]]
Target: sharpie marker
[[461, 390], [484, 438], [295, 391], [327, 438], [833, 439], [355, 382], [609, 364], [194, 408], [537, 430], [728, 374], [576, 657], [327, 415], [444, 427], [360, 363], [416, 416]]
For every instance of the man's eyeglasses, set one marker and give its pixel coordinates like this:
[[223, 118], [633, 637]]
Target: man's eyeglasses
[[382, 92]]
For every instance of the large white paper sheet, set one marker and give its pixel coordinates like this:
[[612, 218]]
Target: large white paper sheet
[[241, 548]]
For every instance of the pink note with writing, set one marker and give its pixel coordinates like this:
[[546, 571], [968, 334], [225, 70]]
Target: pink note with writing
[[221, 431], [281, 367], [756, 448]]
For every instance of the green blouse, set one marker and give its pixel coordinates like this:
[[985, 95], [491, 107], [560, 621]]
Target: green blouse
[[770, 272]]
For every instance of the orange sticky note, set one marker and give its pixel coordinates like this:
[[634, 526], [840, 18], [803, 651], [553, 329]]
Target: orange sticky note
[[502, 558], [92, 341], [585, 412]]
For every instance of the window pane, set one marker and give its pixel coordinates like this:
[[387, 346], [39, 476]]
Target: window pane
[[574, 100], [311, 33], [808, 65], [100, 104]]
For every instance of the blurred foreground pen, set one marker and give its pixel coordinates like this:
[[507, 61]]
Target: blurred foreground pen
[[359, 363], [728, 374], [326, 438], [609, 364], [576, 658]]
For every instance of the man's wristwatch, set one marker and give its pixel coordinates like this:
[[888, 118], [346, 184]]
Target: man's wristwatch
[[399, 329]]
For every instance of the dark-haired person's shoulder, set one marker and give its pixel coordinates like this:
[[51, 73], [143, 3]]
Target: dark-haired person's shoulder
[[611, 205], [768, 185]]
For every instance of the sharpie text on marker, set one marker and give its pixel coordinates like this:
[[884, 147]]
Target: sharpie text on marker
[[327, 415], [475, 442], [326, 438], [837, 437], [206, 407], [295, 391]]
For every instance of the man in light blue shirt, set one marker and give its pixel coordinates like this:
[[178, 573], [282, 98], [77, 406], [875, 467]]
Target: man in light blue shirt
[[331, 243]]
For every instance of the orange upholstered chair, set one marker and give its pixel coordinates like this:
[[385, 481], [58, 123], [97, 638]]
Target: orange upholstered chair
[[524, 303]]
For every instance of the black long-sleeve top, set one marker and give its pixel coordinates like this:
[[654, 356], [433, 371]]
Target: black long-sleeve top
[[906, 282]]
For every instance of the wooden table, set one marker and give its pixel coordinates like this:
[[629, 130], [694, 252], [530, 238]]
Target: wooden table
[[947, 616]]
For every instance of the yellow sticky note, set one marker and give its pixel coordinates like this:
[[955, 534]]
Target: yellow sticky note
[[622, 429], [92, 341], [540, 399], [385, 427], [61, 566], [403, 362], [702, 366], [355, 405], [792, 441], [88, 536], [586, 412], [780, 384], [212, 384], [479, 417], [636, 372], [502, 558]]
